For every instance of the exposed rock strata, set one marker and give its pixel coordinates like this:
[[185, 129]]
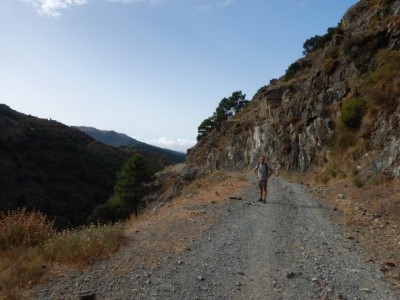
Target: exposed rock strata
[[293, 121]]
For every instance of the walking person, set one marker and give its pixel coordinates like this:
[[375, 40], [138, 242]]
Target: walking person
[[263, 172]]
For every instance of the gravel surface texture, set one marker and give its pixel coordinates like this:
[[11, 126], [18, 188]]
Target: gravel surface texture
[[288, 248]]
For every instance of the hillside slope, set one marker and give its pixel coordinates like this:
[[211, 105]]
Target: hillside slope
[[51, 167], [338, 107]]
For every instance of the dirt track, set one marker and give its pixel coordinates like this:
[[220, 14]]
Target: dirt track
[[288, 248]]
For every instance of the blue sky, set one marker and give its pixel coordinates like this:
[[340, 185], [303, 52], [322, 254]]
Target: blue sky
[[152, 69]]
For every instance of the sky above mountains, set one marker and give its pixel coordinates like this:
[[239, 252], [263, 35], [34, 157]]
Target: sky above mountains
[[152, 69]]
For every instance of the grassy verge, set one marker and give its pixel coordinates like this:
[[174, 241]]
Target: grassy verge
[[30, 245]]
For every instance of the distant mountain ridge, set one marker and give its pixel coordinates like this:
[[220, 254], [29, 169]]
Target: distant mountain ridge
[[109, 137], [116, 139]]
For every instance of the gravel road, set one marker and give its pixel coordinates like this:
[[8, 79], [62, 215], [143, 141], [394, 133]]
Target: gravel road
[[288, 248]]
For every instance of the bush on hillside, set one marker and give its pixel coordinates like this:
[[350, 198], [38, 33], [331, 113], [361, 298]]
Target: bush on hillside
[[111, 211], [318, 41], [381, 86], [352, 112], [296, 67]]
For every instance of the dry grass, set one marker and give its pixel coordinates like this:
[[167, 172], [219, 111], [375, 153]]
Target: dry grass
[[30, 246], [83, 245], [19, 268], [328, 172], [22, 228]]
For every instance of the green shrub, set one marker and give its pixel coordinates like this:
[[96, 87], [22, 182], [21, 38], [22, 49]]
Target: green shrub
[[358, 181], [111, 211], [292, 70], [352, 112], [318, 42], [295, 67], [386, 2]]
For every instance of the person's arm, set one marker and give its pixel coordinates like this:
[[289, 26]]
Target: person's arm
[[269, 172]]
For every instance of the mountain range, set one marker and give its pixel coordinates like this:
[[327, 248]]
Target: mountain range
[[110, 137]]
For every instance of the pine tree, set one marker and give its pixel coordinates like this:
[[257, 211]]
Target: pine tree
[[131, 183], [227, 107]]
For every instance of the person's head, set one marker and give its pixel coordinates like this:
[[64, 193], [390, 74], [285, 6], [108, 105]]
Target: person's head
[[262, 159]]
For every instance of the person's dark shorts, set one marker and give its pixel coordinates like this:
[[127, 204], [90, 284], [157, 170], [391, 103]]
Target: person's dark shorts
[[263, 184]]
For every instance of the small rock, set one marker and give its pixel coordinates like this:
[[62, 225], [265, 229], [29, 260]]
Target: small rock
[[201, 278], [390, 264], [88, 297], [146, 274], [291, 274], [338, 296], [383, 269]]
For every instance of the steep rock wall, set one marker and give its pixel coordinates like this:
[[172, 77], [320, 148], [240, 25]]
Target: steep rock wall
[[293, 121]]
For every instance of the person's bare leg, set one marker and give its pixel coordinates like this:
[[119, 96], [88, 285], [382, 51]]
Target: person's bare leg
[[265, 192]]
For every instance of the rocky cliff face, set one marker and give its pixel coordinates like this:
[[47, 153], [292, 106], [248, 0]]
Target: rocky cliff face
[[297, 121]]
